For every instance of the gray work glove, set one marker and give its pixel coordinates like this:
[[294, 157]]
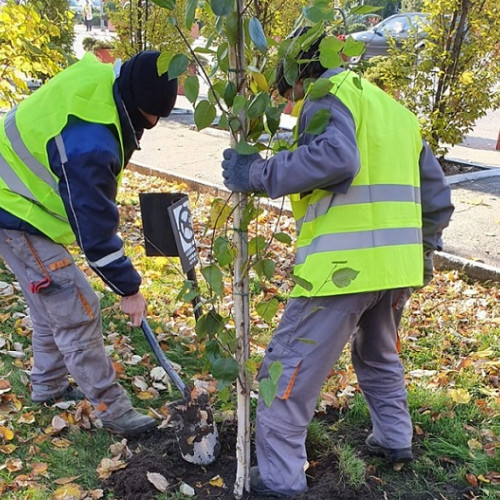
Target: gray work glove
[[236, 170]]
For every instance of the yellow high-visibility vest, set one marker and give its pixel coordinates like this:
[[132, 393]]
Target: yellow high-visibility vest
[[28, 188], [369, 238]]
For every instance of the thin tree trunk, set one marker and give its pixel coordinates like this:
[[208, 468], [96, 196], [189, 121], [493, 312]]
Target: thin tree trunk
[[240, 290]]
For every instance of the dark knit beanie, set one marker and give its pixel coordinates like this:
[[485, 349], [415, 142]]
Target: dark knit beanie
[[141, 87]]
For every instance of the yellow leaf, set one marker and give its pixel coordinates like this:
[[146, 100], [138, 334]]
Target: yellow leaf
[[145, 395], [108, 465], [467, 77], [8, 448], [483, 479], [485, 353], [261, 81], [69, 491], [6, 433], [460, 396], [61, 443], [474, 444], [217, 481]]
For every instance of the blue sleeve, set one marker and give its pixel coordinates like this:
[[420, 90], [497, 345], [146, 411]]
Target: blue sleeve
[[329, 160], [88, 187]]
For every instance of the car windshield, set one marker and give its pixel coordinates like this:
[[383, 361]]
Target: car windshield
[[399, 24]]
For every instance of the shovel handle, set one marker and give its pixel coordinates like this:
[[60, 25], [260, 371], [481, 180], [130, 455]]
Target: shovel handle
[[164, 361]]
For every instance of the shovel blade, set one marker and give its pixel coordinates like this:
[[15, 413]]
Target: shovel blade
[[195, 430]]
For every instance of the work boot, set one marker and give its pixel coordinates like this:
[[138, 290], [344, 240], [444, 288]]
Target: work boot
[[69, 394], [258, 487], [394, 455], [130, 424]]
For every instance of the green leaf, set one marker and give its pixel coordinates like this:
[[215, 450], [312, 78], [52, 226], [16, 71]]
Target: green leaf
[[230, 93], [239, 104], [306, 341], [353, 47], [320, 11], [283, 238], [258, 105], [222, 7], [231, 26], [204, 114], [267, 309], [163, 62], [246, 149], [257, 34], [267, 391], [290, 71], [225, 369], [329, 49], [303, 283], [256, 245], [192, 88], [343, 277], [275, 371], [265, 267], [273, 115], [223, 251], [213, 275], [219, 213], [166, 4], [318, 123], [357, 83], [177, 66], [319, 88], [209, 324], [191, 7]]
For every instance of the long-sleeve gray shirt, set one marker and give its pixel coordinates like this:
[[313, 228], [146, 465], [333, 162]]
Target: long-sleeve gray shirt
[[331, 160]]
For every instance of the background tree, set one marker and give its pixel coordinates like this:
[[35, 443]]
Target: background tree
[[57, 11], [27, 49], [141, 25], [451, 80]]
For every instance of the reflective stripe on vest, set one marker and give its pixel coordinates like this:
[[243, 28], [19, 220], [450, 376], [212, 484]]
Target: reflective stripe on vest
[[10, 177], [361, 194]]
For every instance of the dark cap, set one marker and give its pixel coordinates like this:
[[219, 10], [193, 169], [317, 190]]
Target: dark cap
[[141, 87]]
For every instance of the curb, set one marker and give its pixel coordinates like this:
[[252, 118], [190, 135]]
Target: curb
[[443, 261]]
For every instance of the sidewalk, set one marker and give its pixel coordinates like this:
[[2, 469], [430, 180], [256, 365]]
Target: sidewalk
[[175, 150]]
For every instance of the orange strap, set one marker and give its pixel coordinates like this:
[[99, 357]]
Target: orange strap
[[59, 264], [289, 388]]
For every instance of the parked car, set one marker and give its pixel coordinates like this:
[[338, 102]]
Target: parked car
[[399, 26]]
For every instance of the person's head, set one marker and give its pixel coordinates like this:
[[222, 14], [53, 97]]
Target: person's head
[[310, 68], [147, 96]]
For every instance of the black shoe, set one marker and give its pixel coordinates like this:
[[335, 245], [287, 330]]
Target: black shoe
[[69, 394], [130, 424], [395, 456], [258, 487]]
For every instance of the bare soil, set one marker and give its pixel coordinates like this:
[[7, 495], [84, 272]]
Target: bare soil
[[158, 452]]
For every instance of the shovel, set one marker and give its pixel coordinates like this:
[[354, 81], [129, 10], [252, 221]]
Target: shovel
[[193, 420]]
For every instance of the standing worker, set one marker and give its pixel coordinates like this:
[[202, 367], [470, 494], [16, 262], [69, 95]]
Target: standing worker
[[370, 202], [87, 15], [62, 153]]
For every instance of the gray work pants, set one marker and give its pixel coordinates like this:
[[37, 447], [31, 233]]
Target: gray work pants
[[327, 323], [66, 316]]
